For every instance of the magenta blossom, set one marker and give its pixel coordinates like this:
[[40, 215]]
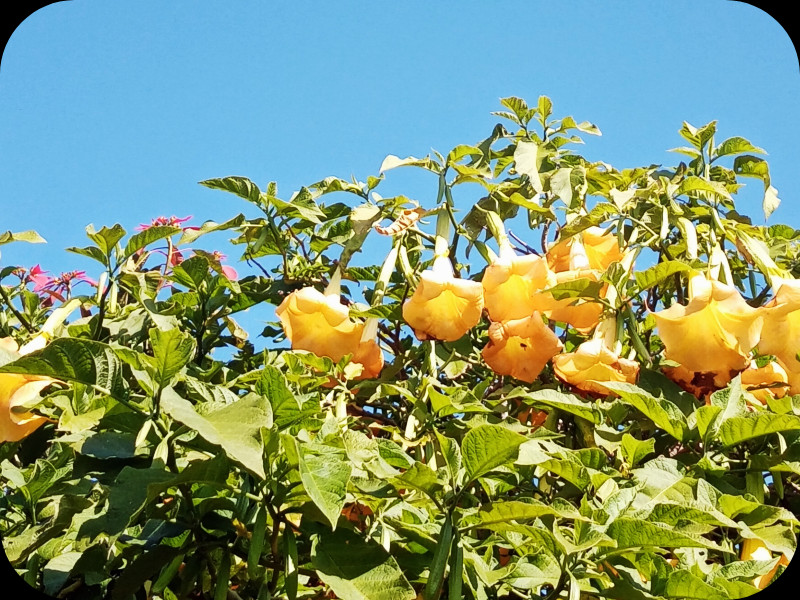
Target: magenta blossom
[[165, 221], [227, 270]]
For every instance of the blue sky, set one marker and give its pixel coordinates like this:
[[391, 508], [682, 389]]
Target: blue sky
[[112, 111]]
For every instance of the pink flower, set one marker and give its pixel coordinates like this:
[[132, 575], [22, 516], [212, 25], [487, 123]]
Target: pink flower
[[38, 278], [227, 270], [165, 221]]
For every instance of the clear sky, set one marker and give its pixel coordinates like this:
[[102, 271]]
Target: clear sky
[[112, 111]]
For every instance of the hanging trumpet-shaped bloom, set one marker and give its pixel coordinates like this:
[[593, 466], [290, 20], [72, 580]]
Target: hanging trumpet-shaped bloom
[[16, 391], [512, 285], [594, 362], [781, 332], [582, 314], [714, 333], [767, 382], [521, 347], [601, 250], [753, 549], [443, 307], [321, 324]]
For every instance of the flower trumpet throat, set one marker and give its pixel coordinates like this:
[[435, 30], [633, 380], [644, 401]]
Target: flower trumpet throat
[[521, 347], [443, 307]]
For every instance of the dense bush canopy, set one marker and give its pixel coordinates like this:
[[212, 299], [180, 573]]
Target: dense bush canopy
[[586, 385]]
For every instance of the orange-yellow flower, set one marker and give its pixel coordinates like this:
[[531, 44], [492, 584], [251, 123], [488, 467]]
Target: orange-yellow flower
[[443, 307], [521, 347], [781, 332], [593, 363], [511, 285], [753, 549], [582, 314], [15, 391], [714, 332], [321, 324], [768, 382], [601, 250]]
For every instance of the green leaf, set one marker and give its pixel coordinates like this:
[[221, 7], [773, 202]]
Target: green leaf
[[235, 428], [148, 236], [658, 273], [566, 402], [325, 473], [770, 202], [172, 350], [392, 162], [72, 359], [433, 586], [300, 205], [358, 570], [419, 477], [528, 157], [29, 236], [487, 447], [637, 533], [256, 542], [92, 252], [735, 145], [241, 186], [57, 571], [272, 385], [661, 411], [682, 584], [106, 239], [698, 184], [635, 450], [600, 213], [739, 429], [190, 235]]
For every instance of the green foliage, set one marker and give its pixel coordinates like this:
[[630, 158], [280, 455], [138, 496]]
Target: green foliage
[[177, 461]]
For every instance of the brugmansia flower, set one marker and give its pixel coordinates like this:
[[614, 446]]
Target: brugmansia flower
[[520, 347], [768, 382], [321, 324], [15, 391], [781, 332], [582, 314], [601, 250], [511, 285], [443, 307], [753, 549], [594, 362], [699, 383], [714, 333]]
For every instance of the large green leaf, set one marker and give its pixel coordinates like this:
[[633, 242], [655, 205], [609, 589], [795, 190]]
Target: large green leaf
[[107, 238], [358, 570], [190, 235], [566, 402], [71, 359], [29, 236], [420, 477], [661, 411], [487, 447], [148, 236], [285, 408], [739, 429], [637, 533], [236, 428], [325, 473], [172, 350], [241, 186], [658, 273], [685, 585]]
